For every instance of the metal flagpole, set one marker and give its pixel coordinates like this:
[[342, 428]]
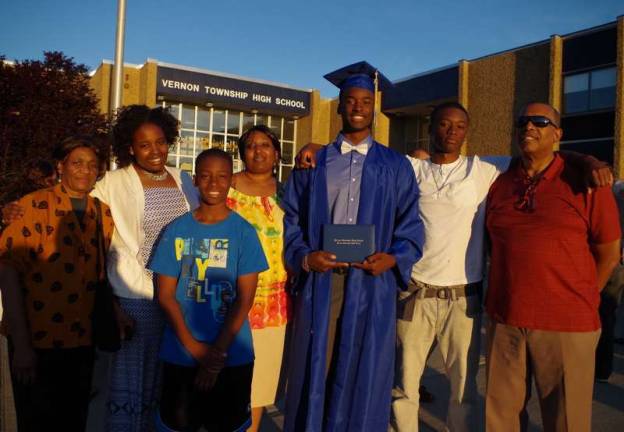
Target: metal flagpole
[[117, 83], [119, 53]]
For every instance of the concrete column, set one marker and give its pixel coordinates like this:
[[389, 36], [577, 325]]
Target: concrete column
[[381, 130], [320, 113], [555, 86], [148, 76], [462, 92], [618, 133], [100, 82]]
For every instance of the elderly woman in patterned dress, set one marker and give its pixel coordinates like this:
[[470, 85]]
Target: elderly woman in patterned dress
[[255, 196], [49, 273], [144, 195]]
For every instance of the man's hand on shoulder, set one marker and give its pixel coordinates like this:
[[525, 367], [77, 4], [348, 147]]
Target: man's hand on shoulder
[[599, 175], [596, 173], [306, 158], [377, 263]]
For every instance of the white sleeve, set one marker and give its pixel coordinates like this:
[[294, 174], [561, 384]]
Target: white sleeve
[[500, 162], [416, 163], [100, 190]]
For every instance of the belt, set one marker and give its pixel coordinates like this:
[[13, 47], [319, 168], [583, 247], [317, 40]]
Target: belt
[[444, 293], [418, 290]]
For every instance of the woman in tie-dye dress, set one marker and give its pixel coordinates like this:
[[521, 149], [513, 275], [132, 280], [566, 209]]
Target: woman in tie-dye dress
[[255, 196]]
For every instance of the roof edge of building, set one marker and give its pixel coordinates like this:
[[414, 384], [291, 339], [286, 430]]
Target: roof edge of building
[[110, 62], [589, 30], [228, 75], [510, 50], [427, 72], [577, 33]]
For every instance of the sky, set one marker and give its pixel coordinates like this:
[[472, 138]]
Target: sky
[[292, 42]]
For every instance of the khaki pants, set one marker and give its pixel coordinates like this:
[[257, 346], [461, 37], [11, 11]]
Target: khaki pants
[[455, 324], [563, 366], [338, 284]]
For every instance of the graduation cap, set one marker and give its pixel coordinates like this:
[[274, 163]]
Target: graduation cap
[[360, 75]]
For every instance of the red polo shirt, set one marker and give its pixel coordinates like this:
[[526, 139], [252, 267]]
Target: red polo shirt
[[543, 274]]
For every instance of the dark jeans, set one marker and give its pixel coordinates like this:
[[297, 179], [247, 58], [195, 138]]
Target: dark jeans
[[604, 351], [609, 301], [59, 398]]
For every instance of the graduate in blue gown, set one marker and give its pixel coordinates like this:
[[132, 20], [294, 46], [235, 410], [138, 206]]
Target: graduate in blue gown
[[342, 357]]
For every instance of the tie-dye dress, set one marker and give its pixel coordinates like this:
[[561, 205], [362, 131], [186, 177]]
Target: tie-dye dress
[[271, 308]]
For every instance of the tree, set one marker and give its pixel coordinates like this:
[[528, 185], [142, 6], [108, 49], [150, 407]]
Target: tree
[[41, 103]]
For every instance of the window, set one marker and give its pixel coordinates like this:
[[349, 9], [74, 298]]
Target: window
[[262, 119], [276, 126], [203, 128], [174, 110], [218, 120], [187, 143], [203, 119], [589, 91], [600, 148], [576, 92], [248, 120], [188, 117], [603, 89], [289, 130], [233, 122]]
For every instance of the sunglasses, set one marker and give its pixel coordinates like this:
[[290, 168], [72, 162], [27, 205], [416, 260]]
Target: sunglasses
[[536, 120]]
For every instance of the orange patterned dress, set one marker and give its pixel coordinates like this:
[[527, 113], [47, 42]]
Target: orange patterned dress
[[271, 304]]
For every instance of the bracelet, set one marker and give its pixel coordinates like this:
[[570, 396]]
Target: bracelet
[[305, 265]]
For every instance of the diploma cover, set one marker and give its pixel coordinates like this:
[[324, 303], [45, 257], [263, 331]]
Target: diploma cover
[[350, 243]]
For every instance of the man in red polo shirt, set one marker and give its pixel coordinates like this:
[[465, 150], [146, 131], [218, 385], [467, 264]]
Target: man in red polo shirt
[[553, 247]]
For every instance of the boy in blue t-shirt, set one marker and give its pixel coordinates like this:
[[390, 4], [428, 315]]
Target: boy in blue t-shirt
[[207, 262]]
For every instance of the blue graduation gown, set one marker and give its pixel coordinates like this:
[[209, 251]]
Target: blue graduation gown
[[361, 388]]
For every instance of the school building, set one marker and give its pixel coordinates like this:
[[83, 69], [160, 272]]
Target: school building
[[581, 74]]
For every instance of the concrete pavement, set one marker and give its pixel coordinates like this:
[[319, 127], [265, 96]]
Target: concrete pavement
[[608, 405]]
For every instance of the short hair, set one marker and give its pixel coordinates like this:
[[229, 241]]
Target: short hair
[[555, 111], [244, 139], [71, 143], [439, 108], [130, 118], [214, 153]]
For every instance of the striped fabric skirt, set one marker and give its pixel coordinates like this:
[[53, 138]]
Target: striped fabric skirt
[[134, 376]]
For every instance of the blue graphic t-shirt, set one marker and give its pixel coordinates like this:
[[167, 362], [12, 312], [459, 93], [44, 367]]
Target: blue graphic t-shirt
[[207, 260]]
